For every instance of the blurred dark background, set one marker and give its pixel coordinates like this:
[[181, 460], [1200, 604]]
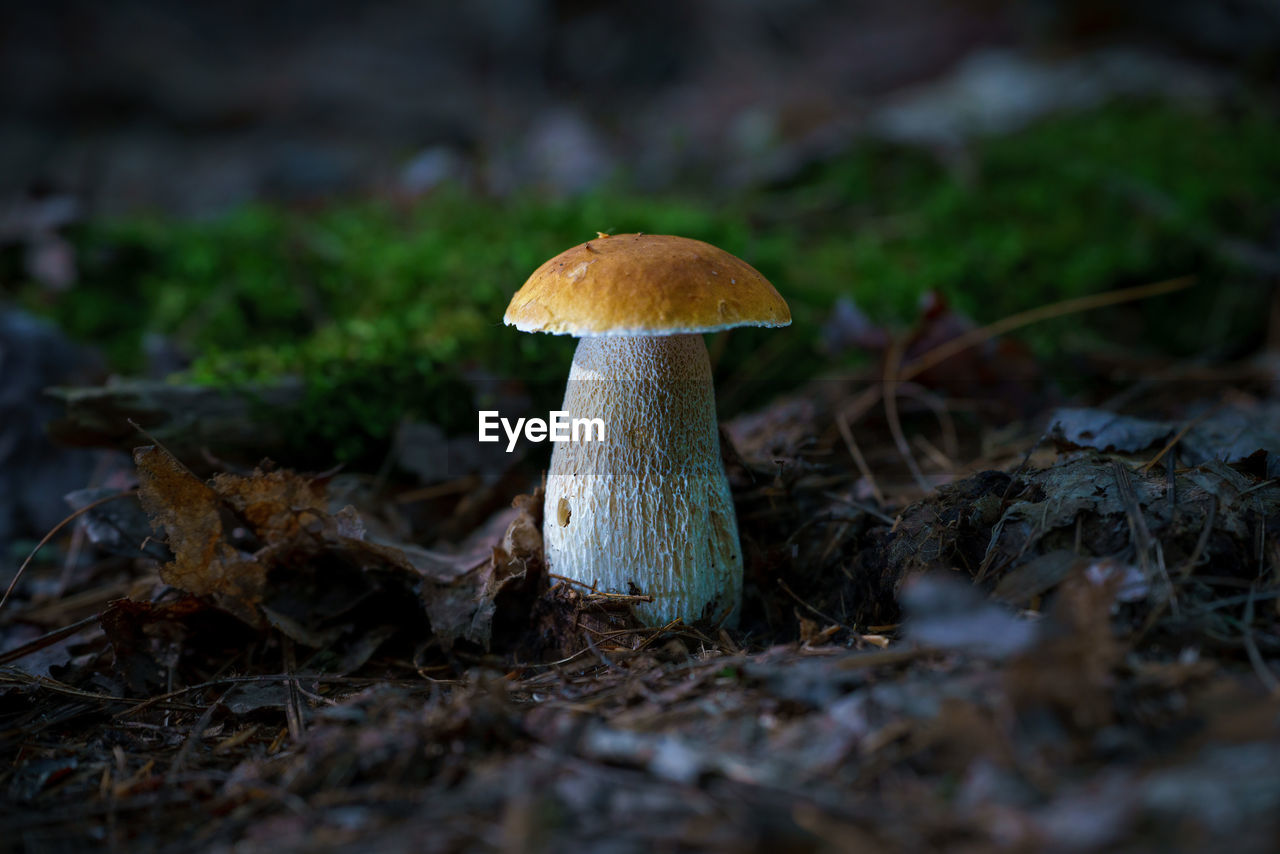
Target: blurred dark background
[[196, 107]]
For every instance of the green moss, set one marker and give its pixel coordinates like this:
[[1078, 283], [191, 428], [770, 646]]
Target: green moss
[[383, 309], [1124, 195]]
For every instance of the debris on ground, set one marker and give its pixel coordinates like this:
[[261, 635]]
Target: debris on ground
[[1074, 650]]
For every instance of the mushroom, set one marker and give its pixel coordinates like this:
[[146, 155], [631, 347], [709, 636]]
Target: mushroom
[[648, 510]]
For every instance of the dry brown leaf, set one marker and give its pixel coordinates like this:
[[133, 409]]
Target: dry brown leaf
[[466, 605], [287, 514], [204, 563], [278, 504]]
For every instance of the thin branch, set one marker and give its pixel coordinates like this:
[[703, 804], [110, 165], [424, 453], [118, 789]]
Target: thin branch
[[973, 337], [52, 533], [860, 461], [893, 359]]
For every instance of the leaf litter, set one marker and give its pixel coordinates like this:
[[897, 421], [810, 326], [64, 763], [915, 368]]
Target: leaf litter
[[1069, 643]]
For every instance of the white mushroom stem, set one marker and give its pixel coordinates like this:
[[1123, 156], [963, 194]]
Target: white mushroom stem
[[648, 510]]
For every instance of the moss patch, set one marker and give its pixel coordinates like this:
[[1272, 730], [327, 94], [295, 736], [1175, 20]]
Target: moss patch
[[383, 309]]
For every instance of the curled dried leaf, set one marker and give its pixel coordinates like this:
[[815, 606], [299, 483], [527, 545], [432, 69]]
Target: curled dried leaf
[[189, 511]]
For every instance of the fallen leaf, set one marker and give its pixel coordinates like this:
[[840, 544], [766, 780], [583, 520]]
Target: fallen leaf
[[119, 526], [189, 511], [949, 614], [1038, 575], [1107, 431], [308, 565], [1236, 434], [278, 504]]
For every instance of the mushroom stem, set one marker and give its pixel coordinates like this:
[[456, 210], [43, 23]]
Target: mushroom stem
[[648, 510]]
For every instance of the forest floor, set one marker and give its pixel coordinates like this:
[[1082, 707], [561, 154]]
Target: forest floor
[[1062, 638], [1012, 577]]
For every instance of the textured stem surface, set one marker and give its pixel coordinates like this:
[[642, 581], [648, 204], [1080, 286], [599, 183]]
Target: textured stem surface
[[648, 510]]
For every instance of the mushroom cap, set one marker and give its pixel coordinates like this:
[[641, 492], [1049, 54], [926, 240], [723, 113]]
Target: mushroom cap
[[644, 284]]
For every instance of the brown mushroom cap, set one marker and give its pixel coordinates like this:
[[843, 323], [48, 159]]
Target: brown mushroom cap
[[644, 284]]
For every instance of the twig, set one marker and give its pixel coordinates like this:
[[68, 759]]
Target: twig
[[892, 361], [1139, 532], [143, 704], [22, 678], [934, 453], [862, 404], [591, 645], [858, 505], [832, 542], [973, 337], [52, 611], [1253, 595], [947, 424], [52, 533], [1202, 542], [48, 639], [196, 733], [1022, 466], [293, 705], [850, 629], [235, 740], [1263, 485], [438, 490], [860, 461], [626, 597], [1178, 437]]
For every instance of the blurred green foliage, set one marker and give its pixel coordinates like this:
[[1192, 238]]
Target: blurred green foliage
[[381, 307]]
